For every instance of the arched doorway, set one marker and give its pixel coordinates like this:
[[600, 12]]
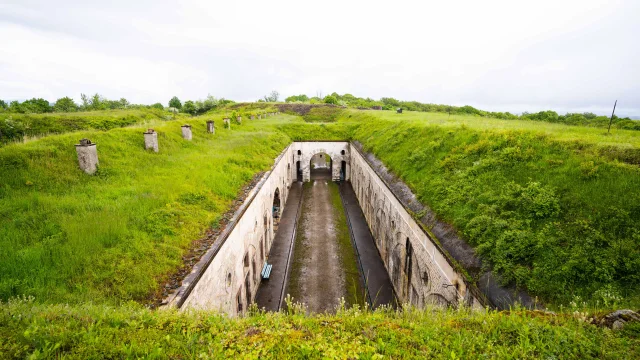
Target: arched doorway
[[298, 171], [276, 209], [321, 165], [343, 170]]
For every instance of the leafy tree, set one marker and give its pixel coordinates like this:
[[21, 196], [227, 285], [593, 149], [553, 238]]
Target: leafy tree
[[37, 106], [65, 104], [175, 103], [158, 106], [273, 97], [14, 106], [189, 107], [330, 99], [296, 98], [3, 104]]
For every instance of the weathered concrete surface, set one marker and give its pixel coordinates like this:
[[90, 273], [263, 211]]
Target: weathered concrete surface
[[319, 279], [186, 132], [226, 278], [270, 293], [151, 140], [377, 281], [87, 156], [337, 150]]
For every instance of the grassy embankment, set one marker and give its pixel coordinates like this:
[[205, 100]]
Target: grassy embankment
[[69, 237], [90, 331], [552, 210], [543, 202], [28, 127]]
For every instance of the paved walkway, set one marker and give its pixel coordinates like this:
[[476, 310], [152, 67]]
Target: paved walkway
[[318, 276], [270, 292], [377, 279]]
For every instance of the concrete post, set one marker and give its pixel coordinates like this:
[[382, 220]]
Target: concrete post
[[259, 116], [87, 156], [227, 123], [186, 132], [151, 140], [239, 119], [253, 117], [211, 127]]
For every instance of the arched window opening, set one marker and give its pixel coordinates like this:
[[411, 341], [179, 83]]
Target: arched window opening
[[321, 167]]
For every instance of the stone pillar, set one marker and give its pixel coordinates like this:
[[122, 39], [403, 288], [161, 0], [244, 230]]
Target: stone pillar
[[151, 140], [253, 117], [87, 156], [239, 119], [211, 127], [186, 132], [227, 123]]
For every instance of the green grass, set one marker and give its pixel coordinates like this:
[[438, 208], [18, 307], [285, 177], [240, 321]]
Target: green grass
[[69, 237], [88, 331], [563, 132], [551, 214], [28, 127]]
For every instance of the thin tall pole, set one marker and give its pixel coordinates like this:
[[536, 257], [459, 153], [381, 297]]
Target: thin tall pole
[[614, 111]]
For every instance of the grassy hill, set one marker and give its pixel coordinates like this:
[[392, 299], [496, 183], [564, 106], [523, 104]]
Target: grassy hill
[[552, 207]]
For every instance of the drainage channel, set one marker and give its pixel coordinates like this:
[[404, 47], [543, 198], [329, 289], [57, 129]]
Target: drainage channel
[[377, 282], [270, 295]]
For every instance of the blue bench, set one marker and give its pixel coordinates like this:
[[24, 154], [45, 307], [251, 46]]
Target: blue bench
[[266, 271]]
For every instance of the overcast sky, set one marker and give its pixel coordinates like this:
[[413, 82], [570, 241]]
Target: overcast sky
[[495, 55]]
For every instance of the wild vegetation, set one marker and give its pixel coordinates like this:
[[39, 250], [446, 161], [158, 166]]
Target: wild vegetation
[[68, 237], [552, 207], [18, 127], [388, 103], [91, 331]]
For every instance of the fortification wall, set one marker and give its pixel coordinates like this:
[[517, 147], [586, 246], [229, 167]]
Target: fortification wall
[[419, 271], [227, 278]]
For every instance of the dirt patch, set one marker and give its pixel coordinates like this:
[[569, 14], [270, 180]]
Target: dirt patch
[[199, 247]]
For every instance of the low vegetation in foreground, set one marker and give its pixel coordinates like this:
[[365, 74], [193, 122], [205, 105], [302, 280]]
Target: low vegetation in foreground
[[90, 331]]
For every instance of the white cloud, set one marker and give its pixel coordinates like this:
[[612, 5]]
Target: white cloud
[[503, 55]]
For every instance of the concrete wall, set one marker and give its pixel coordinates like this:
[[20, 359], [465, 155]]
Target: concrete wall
[[227, 279], [432, 278], [338, 151]]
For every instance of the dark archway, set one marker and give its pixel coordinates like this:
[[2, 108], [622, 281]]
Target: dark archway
[[321, 166], [298, 171], [343, 170], [276, 209]]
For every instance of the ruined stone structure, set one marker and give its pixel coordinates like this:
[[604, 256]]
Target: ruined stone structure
[[87, 156], [228, 275], [211, 127]]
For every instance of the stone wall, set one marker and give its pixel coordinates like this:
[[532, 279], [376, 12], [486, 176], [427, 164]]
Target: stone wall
[[227, 277], [338, 151], [419, 271]]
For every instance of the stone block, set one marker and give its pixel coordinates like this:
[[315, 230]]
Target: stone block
[[186, 132]]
